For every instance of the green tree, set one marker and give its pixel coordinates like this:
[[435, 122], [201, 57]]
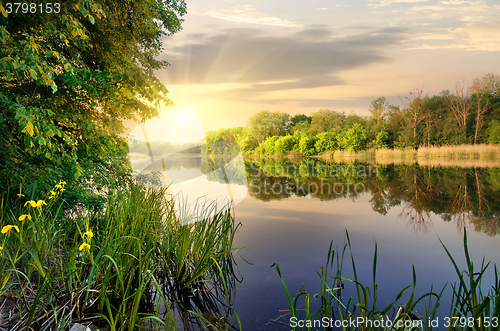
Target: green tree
[[326, 142], [380, 140], [266, 124], [285, 144], [378, 110], [307, 146], [353, 139], [326, 120], [69, 80]]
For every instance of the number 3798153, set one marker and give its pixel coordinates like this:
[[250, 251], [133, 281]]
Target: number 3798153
[[32, 8]]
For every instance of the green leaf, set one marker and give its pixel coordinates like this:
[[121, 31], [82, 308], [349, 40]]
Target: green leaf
[[49, 53]]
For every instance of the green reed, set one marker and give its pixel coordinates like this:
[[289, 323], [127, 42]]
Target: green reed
[[104, 266], [471, 309]]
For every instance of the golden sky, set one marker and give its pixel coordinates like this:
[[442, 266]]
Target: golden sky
[[235, 58]]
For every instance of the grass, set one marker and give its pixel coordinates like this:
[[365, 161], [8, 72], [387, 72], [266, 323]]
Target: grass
[[108, 267], [470, 308]]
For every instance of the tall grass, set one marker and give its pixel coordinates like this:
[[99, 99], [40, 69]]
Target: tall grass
[[470, 308], [104, 266], [479, 151]]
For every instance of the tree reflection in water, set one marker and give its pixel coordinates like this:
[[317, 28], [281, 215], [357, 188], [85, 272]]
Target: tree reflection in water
[[463, 195]]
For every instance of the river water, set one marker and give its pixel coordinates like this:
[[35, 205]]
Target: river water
[[292, 210]]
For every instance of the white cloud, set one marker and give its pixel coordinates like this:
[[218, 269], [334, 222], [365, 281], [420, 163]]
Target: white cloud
[[248, 14], [322, 8], [382, 3], [475, 34]]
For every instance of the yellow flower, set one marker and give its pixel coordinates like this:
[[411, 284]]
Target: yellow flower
[[22, 217], [52, 193], [1, 249], [58, 186], [31, 202], [20, 195], [7, 228], [84, 246], [89, 234], [40, 203]]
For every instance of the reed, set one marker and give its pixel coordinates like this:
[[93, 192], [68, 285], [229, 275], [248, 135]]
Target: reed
[[479, 151], [102, 267], [471, 309]]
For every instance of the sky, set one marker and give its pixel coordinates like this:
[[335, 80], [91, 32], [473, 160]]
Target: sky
[[234, 58]]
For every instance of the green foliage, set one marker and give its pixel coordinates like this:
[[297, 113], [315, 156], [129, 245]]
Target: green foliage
[[380, 140], [493, 133], [68, 82], [267, 124], [353, 139], [307, 146], [285, 144], [269, 145], [326, 120], [326, 142], [119, 264]]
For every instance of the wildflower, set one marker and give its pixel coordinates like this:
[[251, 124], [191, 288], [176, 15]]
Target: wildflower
[[89, 234], [31, 202], [39, 204], [84, 246], [19, 195], [7, 228], [23, 217], [1, 249]]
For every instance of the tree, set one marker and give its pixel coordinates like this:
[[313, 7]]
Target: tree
[[69, 80], [380, 140], [481, 87], [307, 146], [353, 139], [326, 142], [460, 106], [266, 124], [378, 110], [285, 144], [413, 103], [326, 120]]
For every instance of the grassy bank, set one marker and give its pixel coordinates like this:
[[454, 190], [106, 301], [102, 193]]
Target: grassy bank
[[119, 267], [471, 308]]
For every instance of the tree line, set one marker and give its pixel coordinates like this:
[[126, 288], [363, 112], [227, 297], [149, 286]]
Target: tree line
[[467, 115]]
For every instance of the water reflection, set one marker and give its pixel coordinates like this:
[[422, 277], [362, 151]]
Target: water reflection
[[201, 306], [461, 195]]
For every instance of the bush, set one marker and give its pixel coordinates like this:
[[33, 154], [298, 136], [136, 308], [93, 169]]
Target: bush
[[307, 146], [493, 133], [326, 142], [285, 144], [354, 139]]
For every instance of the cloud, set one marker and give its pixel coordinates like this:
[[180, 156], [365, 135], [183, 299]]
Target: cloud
[[248, 14], [382, 3], [322, 8], [475, 33], [310, 58]]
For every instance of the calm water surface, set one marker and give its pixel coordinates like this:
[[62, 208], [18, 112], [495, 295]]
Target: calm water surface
[[287, 219]]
